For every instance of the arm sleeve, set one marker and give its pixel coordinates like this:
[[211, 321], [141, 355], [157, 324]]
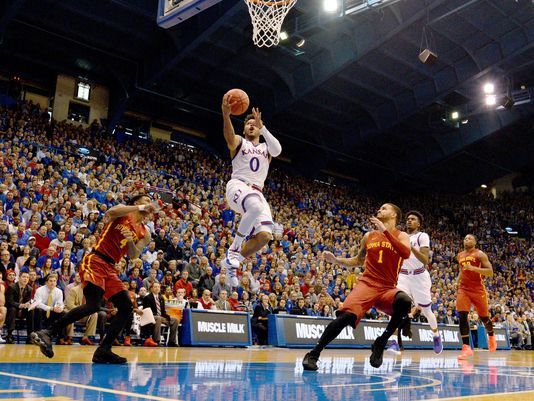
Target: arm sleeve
[[273, 145], [402, 250]]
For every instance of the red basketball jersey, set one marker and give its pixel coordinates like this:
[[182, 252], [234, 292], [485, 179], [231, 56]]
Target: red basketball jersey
[[112, 243], [382, 262], [470, 280]]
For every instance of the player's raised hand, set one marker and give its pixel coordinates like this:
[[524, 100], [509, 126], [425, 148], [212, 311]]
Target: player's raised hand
[[257, 117], [329, 257], [226, 106], [378, 224], [127, 234]]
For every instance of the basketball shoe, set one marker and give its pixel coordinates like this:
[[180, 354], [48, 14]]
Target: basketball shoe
[[438, 345], [310, 361], [394, 348], [43, 339], [492, 341], [377, 353], [466, 352], [105, 355]]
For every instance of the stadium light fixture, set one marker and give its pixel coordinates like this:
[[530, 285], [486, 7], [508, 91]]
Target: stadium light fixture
[[330, 6], [489, 88], [284, 35], [483, 186], [301, 42], [491, 100], [455, 115]]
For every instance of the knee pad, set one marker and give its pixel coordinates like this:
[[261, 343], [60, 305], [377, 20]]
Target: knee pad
[[402, 303], [347, 319]]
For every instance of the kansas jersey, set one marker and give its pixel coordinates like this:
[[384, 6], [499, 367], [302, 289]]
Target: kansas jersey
[[417, 240], [112, 243], [251, 163], [382, 262]]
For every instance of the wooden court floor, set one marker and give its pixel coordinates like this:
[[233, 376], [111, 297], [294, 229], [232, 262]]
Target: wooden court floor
[[227, 374]]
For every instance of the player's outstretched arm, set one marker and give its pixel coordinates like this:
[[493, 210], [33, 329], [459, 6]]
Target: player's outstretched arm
[[232, 140], [122, 210], [355, 261], [273, 145]]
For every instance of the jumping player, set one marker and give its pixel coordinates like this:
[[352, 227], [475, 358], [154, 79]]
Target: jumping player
[[123, 234], [250, 165], [474, 265], [414, 278], [384, 250]]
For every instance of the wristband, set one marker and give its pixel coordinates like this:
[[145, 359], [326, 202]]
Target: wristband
[[141, 207]]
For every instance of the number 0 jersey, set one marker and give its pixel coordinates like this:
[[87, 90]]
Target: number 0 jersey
[[251, 163], [382, 262]]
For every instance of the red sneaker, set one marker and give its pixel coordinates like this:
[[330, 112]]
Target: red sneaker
[[466, 352], [86, 341], [492, 341], [149, 342], [127, 341]]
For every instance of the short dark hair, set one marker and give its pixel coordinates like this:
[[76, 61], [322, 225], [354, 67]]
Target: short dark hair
[[472, 235], [249, 117], [397, 210], [135, 198], [416, 214]]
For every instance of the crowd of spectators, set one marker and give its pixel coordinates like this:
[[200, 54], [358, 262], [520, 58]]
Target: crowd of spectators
[[53, 202]]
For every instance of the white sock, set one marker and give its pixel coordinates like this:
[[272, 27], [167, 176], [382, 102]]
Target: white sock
[[427, 312]]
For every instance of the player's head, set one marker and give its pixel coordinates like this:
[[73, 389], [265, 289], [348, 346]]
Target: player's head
[[250, 130], [389, 211], [414, 220], [140, 199], [470, 241]]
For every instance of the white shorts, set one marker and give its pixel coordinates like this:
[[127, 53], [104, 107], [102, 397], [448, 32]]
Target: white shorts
[[236, 194], [417, 286]]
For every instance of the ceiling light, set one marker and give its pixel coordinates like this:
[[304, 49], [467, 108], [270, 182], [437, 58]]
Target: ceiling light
[[301, 42], [455, 115], [465, 121], [491, 100], [283, 35], [489, 88], [330, 6], [483, 186]]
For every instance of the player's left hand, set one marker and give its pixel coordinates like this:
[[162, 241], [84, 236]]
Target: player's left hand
[[468, 266], [127, 234], [257, 117], [378, 224]]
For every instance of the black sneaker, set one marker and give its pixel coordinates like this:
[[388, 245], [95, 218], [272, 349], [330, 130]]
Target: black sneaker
[[407, 329], [105, 355], [42, 338], [377, 351], [310, 361]]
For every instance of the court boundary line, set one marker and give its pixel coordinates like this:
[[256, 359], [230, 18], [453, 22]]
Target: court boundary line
[[87, 387], [476, 396]]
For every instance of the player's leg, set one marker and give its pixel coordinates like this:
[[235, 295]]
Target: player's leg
[[396, 346], [121, 300], [397, 304], [93, 298], [423, 299], [480, 302], [463, 304], [359, 300], [331, 331]]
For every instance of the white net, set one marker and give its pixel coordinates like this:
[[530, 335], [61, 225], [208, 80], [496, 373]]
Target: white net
[[267, 18]]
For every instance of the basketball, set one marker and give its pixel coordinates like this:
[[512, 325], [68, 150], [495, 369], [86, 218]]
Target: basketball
[[240, 101]]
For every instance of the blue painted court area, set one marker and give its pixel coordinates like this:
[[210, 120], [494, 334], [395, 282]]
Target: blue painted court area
[[338, 379]]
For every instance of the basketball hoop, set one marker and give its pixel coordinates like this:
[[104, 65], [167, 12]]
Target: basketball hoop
[[267, 18]]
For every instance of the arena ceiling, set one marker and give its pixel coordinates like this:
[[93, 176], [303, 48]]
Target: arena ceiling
[[354, 100]]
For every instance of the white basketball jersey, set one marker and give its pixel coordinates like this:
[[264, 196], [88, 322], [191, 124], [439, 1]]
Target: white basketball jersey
[[251, 163], [418, 240]]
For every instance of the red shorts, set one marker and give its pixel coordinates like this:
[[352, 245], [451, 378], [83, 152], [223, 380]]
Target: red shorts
[[100, 273], [477, 298], [363, 297]]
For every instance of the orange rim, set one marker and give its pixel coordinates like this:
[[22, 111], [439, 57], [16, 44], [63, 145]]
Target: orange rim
[[271, 3]]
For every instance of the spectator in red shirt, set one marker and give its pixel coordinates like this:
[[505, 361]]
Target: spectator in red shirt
[[184, 283], [41, 239], [206, 301]]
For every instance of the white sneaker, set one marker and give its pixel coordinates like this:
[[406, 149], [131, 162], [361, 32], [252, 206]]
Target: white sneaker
[[2, 341], [231, 266]]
